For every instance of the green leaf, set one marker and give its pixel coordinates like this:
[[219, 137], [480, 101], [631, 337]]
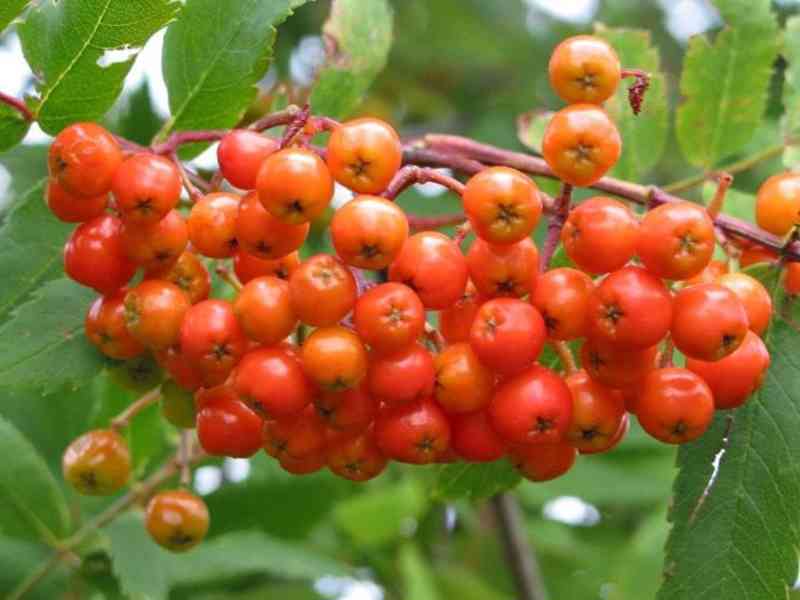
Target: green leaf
[[214, 54], [20, 559], [791, 92], [31, 503], [28, 164], [378, 515], [9, 11], [358, 36], [249, 553], [736, 537], [134, 118], [32, 242], [13, 127], [718, 119], [418, 579], [457, 581], [531, 126], [474, 480], [42, 346], [65, 40], [138, 562], [644, 136]]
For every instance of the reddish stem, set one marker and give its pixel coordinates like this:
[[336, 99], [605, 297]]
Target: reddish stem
[[412, 174], [724, 181], [17, 105], [194, 193], [282, 117], [638, 88], [451, 151], [420, 223], [555, 225], [296, 125], [170, 145]]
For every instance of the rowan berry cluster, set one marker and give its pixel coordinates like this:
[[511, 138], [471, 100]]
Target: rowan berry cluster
[[373, 381]]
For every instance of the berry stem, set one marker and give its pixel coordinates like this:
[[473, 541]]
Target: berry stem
[[123, 419], [194, 193], [462, 231], [282, 117], [555, 225], [447, 146], [520, 555], [144, 489], [184, 454], [17, 105], [296, 125], [175, 140], [228, 277], [665, 357], [565, 356], [724, 181], [411, 174], [637, 89], [420, 223]]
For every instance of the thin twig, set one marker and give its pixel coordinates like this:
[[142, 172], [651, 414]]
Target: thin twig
[[411, 174], [296, 125], [229, 277], [555, 225], [565, 356], [123, 419], [282, 117], [184, 454], [167, 470], [171, 144], [520, 555], [17, 105], [724, 181], [420, 223], [194, 193]]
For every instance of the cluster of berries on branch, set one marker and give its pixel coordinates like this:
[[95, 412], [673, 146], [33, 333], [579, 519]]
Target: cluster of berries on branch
[[332, 361]]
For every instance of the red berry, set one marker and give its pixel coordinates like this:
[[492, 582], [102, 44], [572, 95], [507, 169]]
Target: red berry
[[298, 436], [264, 236], [509, 270], [350, 411], [368, 232], [356, 458], [98, 463], [240, 154], [334, 358], [415, 432], [247, 267], [543, 462], [188, 273], [778, 203], [473, 438], [584, 68], [364, 154], [83, 159], [562, 298], [94, 256], [74, 208], [402, 376], [615, 367], [322, 291], [463, 384], [154, 312], [389, 317], [177, 520], [226, 426], [212, 340], [294, 185], [754, 297], [534, 407], [597, 413], [146, 187], [455, 322], [212, 225], [156, 246], [264, 310], [106, 328]]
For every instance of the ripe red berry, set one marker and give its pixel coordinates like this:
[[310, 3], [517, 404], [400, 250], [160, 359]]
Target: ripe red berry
[[581, 143], [334, 358], [416, 432], [543, 462], [364, 154], [188, 273], [247, 267], [389, 317], [675, 405], [502, 204], [473, 439], [630, 309], [264, 310], [752, 255], [226, 426], [154, 312], [508, 270], [676, 240], [156, 246], [584, 68], [303, 466], [322, 291], [432, 265], [350, 411], [534, 407], [146, 187], [240, 154], [778, 203], [368, 232], [709, 321], [212, 340], [297, 436], [401, 376], [356, 458], [455, 322], [615, 440], [463, 384], [212, 225], [264, 236], [597, 413], [617, 368], [83, 159], [600, 235], [734, 378], [294, 185], [73, 208], [562, 298], [106, 328], [94, 256], [791, 279], [271, 382], [186, 375], [507, 335], [176, 520], [754, 297], [98, 463]]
